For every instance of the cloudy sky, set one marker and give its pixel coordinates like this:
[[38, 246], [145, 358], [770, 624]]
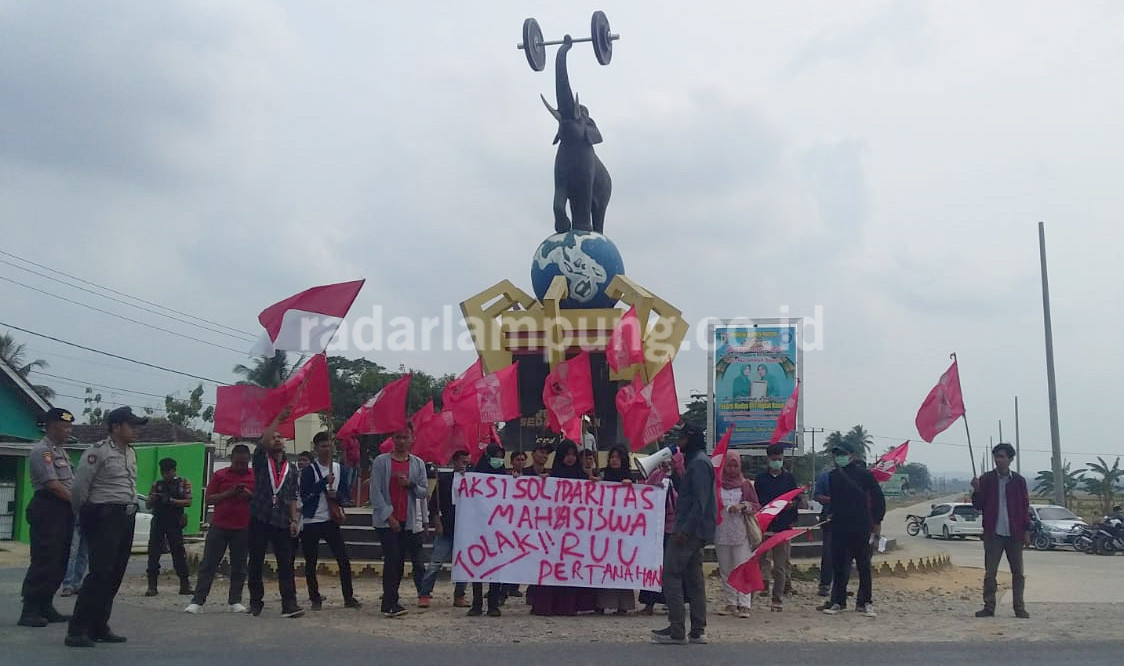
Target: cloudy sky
[[882, 163]]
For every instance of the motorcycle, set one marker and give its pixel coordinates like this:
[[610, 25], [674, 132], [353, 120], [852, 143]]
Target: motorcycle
[[1083, 538], [913, 524], [1109, 536]]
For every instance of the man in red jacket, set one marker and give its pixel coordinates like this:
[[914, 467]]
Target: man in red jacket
[[1002, 496]]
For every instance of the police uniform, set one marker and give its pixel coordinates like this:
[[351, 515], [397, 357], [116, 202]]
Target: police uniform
[[105, 497], [167, 524], [51, 520]]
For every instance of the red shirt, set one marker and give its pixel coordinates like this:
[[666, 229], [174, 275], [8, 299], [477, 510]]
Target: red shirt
[[399, 496], [232, 513]]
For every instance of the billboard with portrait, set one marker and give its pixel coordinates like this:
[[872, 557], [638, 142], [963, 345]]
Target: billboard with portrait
[[754, 366]]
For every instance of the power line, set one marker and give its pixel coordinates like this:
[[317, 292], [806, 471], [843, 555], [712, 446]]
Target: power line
[[122, 317], [79, 382], [121, 293], [963, 445], [117, 356], [241, 336], [106, 402]]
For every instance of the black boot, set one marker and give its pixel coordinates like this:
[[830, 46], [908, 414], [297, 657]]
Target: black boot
[[185, 586], [49, 613], [31, 615], [151, 591]]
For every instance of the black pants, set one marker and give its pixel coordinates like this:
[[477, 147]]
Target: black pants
[[165, 527], [846, 546], [52, 527], [827, 567], [329, 532], [995, 547], [219, 539], [108, 530], [495, 591], [262, 535], [396, 547]]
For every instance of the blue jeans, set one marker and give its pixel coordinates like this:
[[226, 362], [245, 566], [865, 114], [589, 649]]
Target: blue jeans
[[79, 560], [442, 553]]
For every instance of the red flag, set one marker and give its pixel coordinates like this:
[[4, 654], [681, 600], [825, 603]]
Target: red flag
[[487, 399], [746, 577], [624, 346], [387, 445], [786, 422], [240, 410], [464, 381], [648, 410], [943, 405], [718, 459], [436, 437], [568, 394], [887, 465], [244, 410], [384, 412], [768, 512], [306, 322]]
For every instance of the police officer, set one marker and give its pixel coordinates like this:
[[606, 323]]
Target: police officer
[[167, 499], [51, 520], [105, 497]]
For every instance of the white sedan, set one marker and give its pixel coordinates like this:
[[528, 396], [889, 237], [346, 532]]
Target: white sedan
[[955, 519]]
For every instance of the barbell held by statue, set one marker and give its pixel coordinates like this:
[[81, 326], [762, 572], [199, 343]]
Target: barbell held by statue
[[534, 47]]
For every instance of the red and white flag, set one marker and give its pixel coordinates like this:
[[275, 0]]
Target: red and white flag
[[305, 322], [568, 395], [771, 510], [384, 412], [746, 577], [624, 347], [786, 422], [943, 405], [487, 399], [648, 410], [244, 411], [888, 465]]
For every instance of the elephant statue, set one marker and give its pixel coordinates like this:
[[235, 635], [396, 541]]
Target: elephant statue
[[579, 176]]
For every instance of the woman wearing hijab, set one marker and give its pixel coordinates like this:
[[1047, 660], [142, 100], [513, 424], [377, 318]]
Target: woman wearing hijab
[[731, 542], [490, 463], [560, 599], [617, 471]]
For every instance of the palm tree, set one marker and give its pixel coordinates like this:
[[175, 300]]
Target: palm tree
[[1072, 478], [13, 354], [860, 441], [1104, 487], [832, 440], [267, 372]]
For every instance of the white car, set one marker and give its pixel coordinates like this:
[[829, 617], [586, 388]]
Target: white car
[[955, 519], [143, 525]]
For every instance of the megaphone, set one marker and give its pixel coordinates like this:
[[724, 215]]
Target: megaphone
[[651, 463]]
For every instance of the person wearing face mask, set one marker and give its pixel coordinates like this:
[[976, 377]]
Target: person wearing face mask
[[857, 507], [771, 484], [490, 463]]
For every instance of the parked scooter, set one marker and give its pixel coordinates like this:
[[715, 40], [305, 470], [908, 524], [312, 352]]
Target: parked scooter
[[1109, 537]]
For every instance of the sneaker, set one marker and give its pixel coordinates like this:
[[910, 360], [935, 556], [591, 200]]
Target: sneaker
[[985, 612], [256, 608], [352, 603], [866, 611], [1022, 614], [237, 608], [395, 611], [494, 612], [824, 606], [194, 609], [315, 604], [666, 631], [743, 612], [461, 602], [823, 592], [78, 640], [475, 612], [776, 606], [729, 610], [293, 611], [660, 639], [423, 602], [833, 609], [697, 639]]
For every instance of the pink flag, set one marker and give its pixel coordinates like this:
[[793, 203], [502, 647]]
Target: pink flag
[[770, 511], [943, 405], [786, 422], [624, 346], [384, 412], [746, 577], [437, 438], [568, 395], [305, 322], [887, 465], [487, 399], [648, 410]]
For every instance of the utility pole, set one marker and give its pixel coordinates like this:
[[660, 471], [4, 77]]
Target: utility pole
[[1051, 384], [812, 451], [1018, 458]]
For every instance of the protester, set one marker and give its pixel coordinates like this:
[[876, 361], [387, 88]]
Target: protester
[[229, 490], [320, 485], [561, 599], [489, 463], [731, 539], [397, 479], [771, 484], [539, 455], [518, 462], [1001, 495], [167, 499], [51, 519], [671, 470], [443, 516], [617, 471], [104, 496], [274, 517], [76, 565], [589, 466], [695, 518], [857, 509], [821, 495]]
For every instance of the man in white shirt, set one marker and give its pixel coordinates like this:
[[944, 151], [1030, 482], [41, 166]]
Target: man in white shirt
[[320, 485]]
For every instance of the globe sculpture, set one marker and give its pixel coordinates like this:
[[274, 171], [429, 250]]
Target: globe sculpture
[[588, 260]]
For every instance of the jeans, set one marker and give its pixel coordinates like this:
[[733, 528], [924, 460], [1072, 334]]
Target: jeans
[[328, 532], [682, 571], [846, 546], [396, 547], [79, 560], [775, 562], [995, 547], [442, 553], [219, 539], [109, 530], [261, 535]]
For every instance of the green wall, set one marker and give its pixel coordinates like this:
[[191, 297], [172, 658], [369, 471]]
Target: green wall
[[16, 418]]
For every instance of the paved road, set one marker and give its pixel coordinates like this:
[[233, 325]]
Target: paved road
[[1058, 576]]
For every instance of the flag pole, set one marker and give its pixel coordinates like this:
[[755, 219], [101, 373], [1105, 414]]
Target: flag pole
[[967, 432]]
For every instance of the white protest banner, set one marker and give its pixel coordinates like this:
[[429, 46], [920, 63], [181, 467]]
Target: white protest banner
[[558, 532]]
